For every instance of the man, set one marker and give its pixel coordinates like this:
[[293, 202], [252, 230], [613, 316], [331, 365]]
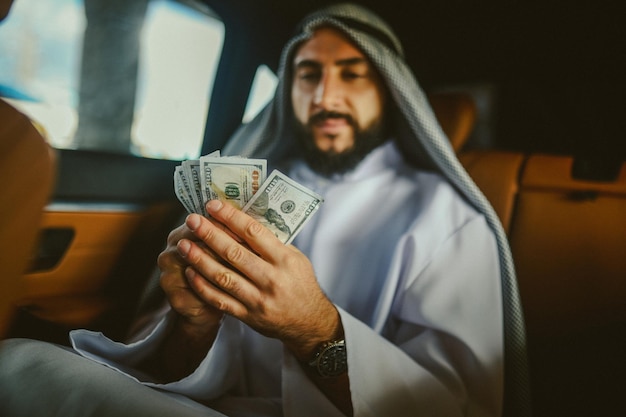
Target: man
[[390, 302]]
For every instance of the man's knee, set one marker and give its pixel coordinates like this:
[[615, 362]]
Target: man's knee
[[38, 378], [24, 365], [23, 355]]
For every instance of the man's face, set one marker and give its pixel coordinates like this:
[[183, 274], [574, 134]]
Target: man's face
[[336, 93]]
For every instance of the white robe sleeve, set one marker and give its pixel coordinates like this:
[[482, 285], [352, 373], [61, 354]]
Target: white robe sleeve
[[443, 353], [217, 372]]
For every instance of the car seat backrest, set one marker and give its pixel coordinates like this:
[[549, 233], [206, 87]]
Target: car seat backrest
[[568, 237], [566, 223], [27, 168], [497, 175]]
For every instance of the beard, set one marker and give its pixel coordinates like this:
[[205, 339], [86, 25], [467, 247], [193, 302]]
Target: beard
[[328, 163]]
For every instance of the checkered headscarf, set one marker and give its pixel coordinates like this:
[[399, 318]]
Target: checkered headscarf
[[422, 141]]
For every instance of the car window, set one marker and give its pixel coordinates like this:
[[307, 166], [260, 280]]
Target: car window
[[263, 87], [113, 75]]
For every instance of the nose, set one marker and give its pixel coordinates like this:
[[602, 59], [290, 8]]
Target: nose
[[328, 92]]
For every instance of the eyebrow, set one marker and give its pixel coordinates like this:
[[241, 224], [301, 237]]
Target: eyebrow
[[308, 63]]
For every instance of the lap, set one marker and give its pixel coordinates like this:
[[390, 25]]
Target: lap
[[38, 378]]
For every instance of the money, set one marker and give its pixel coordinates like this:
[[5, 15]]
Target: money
[[188, 175], [278, 202], [283, 206], [182, 190], [232, 179], [191, 170]]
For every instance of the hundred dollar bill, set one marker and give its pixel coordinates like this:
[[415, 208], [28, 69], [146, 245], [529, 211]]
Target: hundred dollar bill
[[182, 191], [283, 206], [231, 179], [191, 168]]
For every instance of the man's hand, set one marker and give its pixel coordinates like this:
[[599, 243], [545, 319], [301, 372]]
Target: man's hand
[[238, 267], [234, 265], [195, 313], [197, 323]]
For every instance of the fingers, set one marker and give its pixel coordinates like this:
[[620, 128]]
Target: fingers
[[254, 234], [249, 252], [254, 279], [181, 232], [215, 283], [240, 268], [180, 294], [178, 291]]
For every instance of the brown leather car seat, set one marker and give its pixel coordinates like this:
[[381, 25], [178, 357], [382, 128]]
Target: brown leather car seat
[[568, 237], [456, 113], [569, 240], [497, 174], [27, 168]]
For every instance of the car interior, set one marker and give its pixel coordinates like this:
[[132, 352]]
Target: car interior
[[530, 95]]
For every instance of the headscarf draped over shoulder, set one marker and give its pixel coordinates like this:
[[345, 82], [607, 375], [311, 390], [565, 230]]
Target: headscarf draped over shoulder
[[420, 138]]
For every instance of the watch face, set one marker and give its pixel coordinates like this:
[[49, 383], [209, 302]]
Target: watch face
[[332, 361]]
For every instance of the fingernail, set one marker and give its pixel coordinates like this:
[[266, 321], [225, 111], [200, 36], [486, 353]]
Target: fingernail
[[214, 205], [193, 222], [190, 273], [183, 246]]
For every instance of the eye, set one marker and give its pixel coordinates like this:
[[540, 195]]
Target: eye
[[308, 75], [350, 75]]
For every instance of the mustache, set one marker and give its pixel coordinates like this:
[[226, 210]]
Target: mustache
[[323, 115]]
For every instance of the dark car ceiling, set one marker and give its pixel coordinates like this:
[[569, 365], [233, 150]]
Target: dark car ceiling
[[556, 67]]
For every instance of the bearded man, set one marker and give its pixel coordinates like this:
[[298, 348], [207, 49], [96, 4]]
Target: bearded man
[[397, 299]]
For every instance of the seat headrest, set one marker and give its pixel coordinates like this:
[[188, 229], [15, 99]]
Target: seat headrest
[[456, 113]]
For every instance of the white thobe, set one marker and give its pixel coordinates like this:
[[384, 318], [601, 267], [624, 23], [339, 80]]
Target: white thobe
[[414, 272]]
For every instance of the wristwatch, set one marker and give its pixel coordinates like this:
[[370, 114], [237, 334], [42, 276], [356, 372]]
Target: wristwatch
[[331, 359]]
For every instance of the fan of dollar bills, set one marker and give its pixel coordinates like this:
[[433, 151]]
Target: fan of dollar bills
[[276, 201]]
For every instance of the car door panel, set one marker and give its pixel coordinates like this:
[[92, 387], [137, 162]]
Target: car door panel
[[100, 236]]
